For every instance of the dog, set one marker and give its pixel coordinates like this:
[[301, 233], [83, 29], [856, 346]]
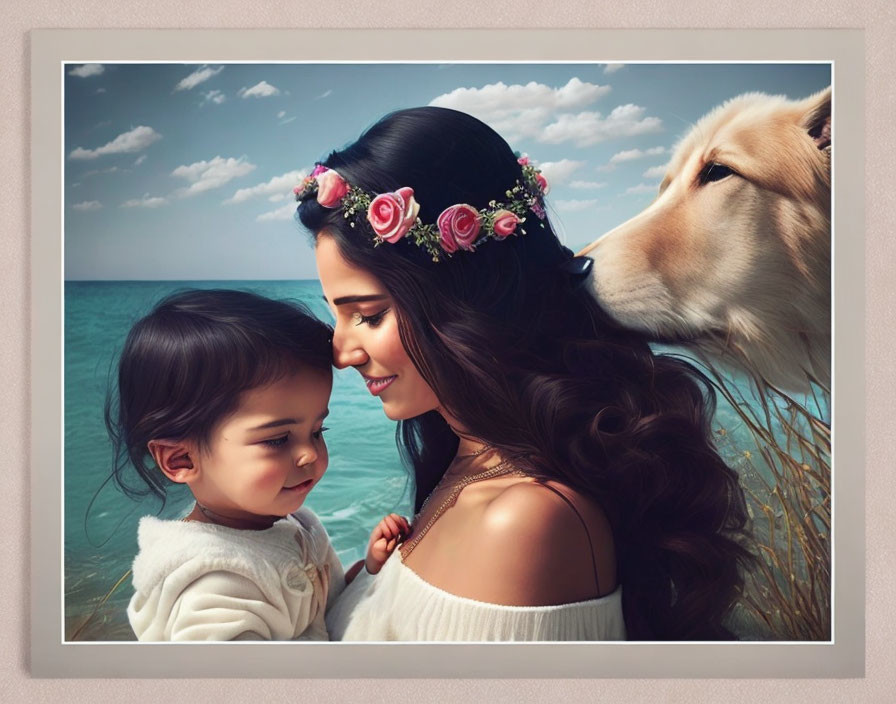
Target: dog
[[733, 257]]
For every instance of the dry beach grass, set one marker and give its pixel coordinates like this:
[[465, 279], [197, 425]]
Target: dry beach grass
[[781, 447]]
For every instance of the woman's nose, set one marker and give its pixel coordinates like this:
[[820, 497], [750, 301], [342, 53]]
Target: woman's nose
[[346, 352]]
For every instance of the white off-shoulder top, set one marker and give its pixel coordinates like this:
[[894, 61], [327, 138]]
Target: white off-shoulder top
[[399, 605]]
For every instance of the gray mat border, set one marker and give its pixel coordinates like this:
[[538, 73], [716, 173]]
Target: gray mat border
[[52, 658]]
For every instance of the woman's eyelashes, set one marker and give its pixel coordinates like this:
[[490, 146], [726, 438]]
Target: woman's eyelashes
[[370, 320]]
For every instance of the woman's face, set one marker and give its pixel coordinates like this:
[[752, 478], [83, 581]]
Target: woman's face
[[366, 335]]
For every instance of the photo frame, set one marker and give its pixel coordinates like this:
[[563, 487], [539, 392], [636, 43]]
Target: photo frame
[[843, 657]]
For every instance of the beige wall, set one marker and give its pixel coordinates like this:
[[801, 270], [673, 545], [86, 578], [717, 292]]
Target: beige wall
[[16, 436]]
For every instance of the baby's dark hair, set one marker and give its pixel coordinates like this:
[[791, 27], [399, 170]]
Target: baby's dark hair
[[185, 364]]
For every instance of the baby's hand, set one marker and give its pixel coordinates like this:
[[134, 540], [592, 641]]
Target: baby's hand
[[383, 540]]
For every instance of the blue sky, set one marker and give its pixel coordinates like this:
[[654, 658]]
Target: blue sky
[[185, 171]]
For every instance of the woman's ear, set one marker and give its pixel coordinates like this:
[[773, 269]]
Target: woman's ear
[[174, 459]]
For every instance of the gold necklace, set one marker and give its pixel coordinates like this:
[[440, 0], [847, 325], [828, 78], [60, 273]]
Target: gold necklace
[[487, 446], [500, 469], [465, 436]]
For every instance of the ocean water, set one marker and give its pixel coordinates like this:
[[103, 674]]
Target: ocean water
[[365, 479]]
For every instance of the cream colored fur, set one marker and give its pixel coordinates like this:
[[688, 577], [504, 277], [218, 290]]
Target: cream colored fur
[[737, 268]]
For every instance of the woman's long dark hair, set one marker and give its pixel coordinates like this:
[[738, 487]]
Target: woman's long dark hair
[[528, 361]]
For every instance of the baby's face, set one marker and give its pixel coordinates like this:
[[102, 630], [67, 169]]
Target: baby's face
[[265, 458]]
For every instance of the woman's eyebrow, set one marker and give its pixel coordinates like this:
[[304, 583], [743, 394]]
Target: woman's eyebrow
[[357, 299]]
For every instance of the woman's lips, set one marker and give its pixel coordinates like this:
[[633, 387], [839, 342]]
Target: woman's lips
[[377, 384]]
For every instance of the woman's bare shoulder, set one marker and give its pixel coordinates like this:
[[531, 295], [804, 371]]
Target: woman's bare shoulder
[[533, 549]]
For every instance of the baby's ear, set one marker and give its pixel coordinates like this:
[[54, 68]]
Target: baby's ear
[[174, 459]]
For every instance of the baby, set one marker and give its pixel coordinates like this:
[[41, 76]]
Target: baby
[[227, 392]]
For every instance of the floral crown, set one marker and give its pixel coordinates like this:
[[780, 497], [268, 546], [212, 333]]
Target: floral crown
[[393, 216]]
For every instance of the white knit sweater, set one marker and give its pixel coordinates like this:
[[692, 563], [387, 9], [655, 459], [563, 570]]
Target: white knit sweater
[[198, 581], [397, 604]]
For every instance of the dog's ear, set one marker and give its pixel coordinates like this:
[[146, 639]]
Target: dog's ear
[[817, 118]]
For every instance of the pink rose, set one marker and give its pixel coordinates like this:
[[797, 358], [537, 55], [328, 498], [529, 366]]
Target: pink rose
[[523, 160], [302, 186], [447, 241], [391, 215], [331, 189], [459, 226], [505, 223], [543, 183], [318, 170]]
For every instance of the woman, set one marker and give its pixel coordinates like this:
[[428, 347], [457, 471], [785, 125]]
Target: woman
[[566, 484]]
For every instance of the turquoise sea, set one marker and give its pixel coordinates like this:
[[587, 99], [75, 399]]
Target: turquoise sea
[[365, 479]]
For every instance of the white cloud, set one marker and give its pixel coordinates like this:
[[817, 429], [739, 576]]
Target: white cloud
[[200, 75], [572, 206], [136, 140], [501, 98], [287, 120], [286, 212], [612, 68], [655, 171], [632, 154], [281, 114], [213, 96], [588, 184], [146, 201], [278, 188], [587, 128], [94, 172], [88, 205], [100, 90], [206, 175], [140, 160], [518, 111], [642, 188], [326, 94], [87, 70], [259, 90], [557, 172]]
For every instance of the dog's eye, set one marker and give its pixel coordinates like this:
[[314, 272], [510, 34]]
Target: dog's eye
[[714, 172]]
